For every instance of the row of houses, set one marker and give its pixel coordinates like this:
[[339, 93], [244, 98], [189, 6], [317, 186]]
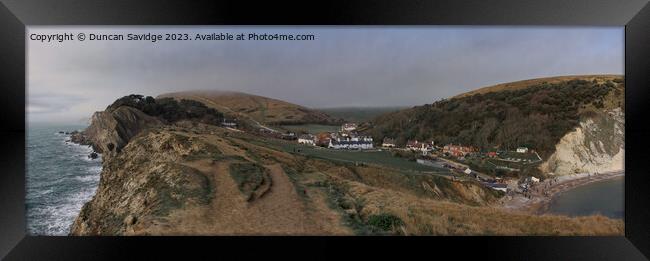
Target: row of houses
[[346, 138], [359, 144], [350, 140], [307, 139], [411, 144], [458, 150], [429, 146], [424, 147], [229, 123]]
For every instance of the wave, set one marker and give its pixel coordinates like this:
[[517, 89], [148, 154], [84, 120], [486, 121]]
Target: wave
[[60, 217], [61, 179], [89, 178], [82, 151], [44, 192], [95, 169]]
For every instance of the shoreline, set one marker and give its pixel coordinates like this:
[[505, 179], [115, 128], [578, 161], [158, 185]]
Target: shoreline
[[54, 200], [544, 193]]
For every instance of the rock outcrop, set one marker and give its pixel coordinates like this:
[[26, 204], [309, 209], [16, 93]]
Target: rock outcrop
[[143, 183], [111, 130], [597, 145]]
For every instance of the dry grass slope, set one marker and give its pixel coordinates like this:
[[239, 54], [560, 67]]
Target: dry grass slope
[[424, 216], [193, 164], [531, 82], [261, 109]]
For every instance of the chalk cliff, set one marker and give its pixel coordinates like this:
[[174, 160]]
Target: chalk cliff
[[597, 145]]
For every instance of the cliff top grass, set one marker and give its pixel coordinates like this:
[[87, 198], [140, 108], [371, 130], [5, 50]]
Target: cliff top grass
[[250, 178]]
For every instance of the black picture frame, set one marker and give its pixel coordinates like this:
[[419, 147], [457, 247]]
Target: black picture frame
[[15, 16]]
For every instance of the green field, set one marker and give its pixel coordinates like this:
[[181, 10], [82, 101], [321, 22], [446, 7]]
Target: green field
[[350, 156], [312, 128], [358, 114]]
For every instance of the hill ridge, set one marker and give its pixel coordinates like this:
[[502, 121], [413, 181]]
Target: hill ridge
[[259, 108], [527, 83], [535, 115]]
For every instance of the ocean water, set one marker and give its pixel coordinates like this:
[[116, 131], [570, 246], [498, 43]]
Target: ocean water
[[60, 178], [603, 197]]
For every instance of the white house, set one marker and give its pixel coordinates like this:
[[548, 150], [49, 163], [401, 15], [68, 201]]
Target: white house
[[388, 143], [424, 147], [228, 123], [362, 144], [522, 150], [347, 127], [307, 139]]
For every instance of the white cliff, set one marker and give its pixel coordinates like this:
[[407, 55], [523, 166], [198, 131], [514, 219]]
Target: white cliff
[[597, 145]]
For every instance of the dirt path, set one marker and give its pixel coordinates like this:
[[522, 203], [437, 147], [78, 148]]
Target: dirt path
[[281, 211]]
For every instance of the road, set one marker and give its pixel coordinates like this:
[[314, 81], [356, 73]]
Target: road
[[464, 166]]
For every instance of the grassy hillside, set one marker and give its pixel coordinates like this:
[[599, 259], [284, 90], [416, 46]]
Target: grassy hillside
[[359, 114], [511, 86], [511, 115], [174, 180], [258, 108], [189, 176]]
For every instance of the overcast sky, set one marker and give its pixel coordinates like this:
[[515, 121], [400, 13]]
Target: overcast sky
[[342, 67]]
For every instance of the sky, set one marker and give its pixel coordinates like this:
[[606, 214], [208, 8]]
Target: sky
[[342, 67]]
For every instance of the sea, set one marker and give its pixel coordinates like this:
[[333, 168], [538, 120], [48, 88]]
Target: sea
[[603, 197], [60, 178]]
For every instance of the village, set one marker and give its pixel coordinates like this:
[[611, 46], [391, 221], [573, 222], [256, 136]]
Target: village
[[456, 158]]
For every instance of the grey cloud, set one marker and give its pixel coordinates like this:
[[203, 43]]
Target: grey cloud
[[345, 66], [52, 103]]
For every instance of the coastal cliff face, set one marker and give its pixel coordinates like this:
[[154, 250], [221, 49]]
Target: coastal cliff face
[[597, 145], [143, 183], [110, 131]]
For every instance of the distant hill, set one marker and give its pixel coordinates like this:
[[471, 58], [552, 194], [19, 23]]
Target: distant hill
[[358, 114], [531, 82], [261, 109], [535, 113]]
